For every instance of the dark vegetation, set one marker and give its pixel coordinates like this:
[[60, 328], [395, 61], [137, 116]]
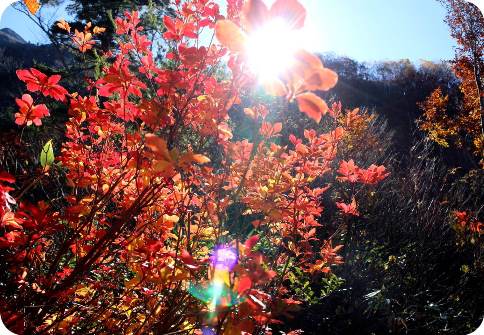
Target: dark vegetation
[[407, 269]]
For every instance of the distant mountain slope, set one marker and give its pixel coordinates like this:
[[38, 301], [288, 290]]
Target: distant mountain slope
[[12, 45], [17, 53], [8, 36]]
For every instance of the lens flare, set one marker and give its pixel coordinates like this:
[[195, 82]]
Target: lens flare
[[217, 292], [224, 258]]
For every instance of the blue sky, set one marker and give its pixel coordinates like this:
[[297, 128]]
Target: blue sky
[[366, 30]]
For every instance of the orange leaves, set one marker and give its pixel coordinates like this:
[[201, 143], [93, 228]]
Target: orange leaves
[[32, 5], [29, 113], [291, 11], [255, 13], [321, 79], [163, 161], [312, 105], [98, 30], [309, 74], [137, 161], [158, 146], [166, 160], [62, 24], [230, 35], [268, 130], [83, 40]]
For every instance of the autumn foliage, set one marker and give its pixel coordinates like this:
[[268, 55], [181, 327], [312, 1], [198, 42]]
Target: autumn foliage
[[154, 181], [461, 124]]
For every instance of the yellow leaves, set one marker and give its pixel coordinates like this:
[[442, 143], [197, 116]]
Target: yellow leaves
[[98, 30], [9, 220], [170, 218], [84, 292], [105, 188], [62, 24], [230, 35], [312, 105], [32, 5]]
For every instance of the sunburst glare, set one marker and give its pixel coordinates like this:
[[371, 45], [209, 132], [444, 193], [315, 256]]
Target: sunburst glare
[[271, 48]]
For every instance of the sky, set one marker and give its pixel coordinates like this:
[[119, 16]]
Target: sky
[[365, 30]]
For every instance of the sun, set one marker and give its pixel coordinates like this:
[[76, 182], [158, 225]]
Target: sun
[[271, 49]]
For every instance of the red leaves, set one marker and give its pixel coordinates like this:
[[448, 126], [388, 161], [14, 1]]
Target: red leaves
[[250, 243], [350, 209], [464, 221], [373, 174], [39, 82], [348, 171], [138, 190], [6, 177], [244, 284], [188, 260], [29, 113], [130, 24], [176, 29], [312, 105], [119, 79]]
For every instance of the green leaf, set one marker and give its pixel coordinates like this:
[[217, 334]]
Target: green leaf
[[47, 155]]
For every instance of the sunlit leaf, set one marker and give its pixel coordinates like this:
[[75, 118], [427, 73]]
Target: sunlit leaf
[[291, 11], [32, 5], [47, 155], [230, 35], [201, 159], [321, 79], [254, 14], [312, 105], [158, 146]]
